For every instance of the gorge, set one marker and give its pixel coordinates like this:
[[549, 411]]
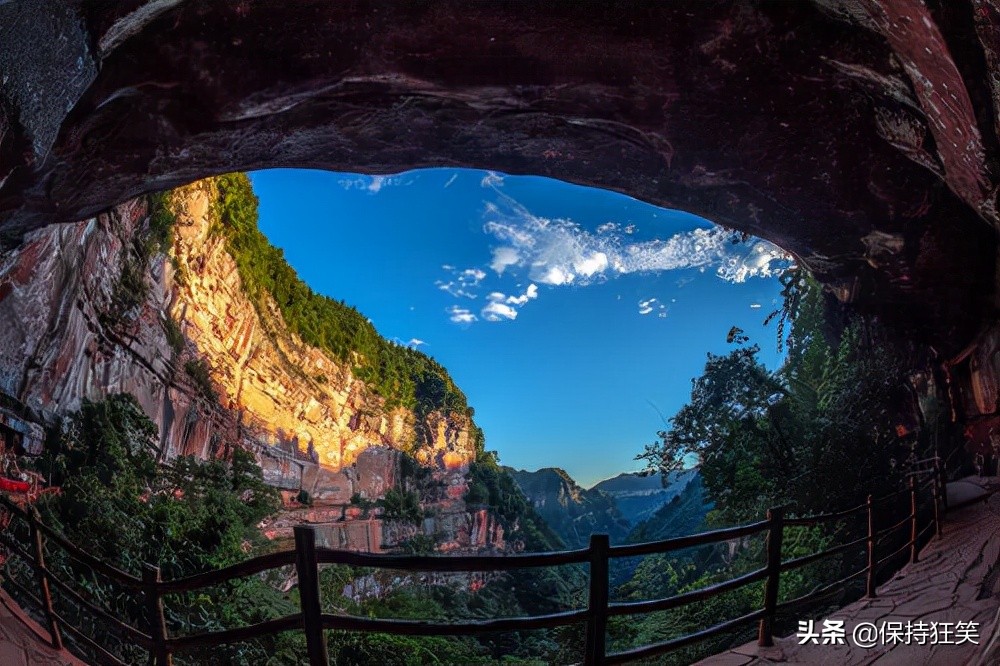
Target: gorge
[[859, 136]]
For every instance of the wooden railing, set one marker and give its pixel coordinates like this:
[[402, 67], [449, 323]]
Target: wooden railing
[[307, 557]]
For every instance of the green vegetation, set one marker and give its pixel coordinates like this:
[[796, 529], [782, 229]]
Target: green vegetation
[[401, 375], [490, 485], [401, 505], [175, 338], [784, 438], [131, 290], [192, 516], [118, 504], [766, 439], [198, 371]]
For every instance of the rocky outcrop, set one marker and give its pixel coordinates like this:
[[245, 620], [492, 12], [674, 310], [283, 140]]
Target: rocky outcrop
[[285, 390], [94, 309], [58, 347], [68, 340]]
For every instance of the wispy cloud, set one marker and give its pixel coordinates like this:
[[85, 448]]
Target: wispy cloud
[[371, 184], [451, 180], [460, 315], [559, 252], [462, 283], [492, 179]]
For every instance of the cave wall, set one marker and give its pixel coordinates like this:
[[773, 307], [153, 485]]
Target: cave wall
[[861, 135]]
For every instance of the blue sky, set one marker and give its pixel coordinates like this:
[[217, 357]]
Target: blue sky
[[573, 318]]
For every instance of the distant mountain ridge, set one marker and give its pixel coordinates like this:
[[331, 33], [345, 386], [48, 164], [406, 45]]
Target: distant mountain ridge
[[639, 496], [622, 507], [572, 511]]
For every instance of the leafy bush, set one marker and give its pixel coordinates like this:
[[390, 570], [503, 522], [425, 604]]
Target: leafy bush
[[198, 371], [401, 505], [191, 516], [172, 330]]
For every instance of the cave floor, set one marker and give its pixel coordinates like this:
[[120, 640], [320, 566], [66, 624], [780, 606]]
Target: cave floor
[[955, 579], [24, 643]]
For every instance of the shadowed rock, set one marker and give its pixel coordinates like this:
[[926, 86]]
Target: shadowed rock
[[858, 134]]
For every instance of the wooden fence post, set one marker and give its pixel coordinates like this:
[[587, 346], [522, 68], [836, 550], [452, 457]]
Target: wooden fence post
[[597, 607], [913, 519], [154, 611], [775, 535], [870, 582], [307, 568], [42, 576], [939, 492], [941, 482]]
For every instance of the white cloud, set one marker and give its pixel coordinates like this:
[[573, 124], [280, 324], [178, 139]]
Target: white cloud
[[504, 257], [653, 304], [460, 315], [755, 306], [530, 293], [451, 180], [560, 252], [492, 179], [497, 311], [415, 342], [463, 282], [371, 184], [553, 275]]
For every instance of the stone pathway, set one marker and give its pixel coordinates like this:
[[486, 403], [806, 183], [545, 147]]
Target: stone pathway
[[24, 643], [956, 579]]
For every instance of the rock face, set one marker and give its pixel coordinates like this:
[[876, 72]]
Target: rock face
[[860, 135], [74, 334], [56, 348], [285, 390]]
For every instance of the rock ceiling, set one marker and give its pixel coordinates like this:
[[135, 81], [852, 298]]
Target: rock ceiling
[[861, 135]]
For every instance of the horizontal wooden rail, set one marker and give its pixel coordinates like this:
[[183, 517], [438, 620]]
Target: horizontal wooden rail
[[896, 553], [700, 539], [112, 573], [123, 628], [886, 531], [452, 564], [806, 521], [216, 638], [657, 649], [634, 607], [468, 628], [219, 576], [105, 656], [74, 551], [15, 548], [815, 557], [308, 556]]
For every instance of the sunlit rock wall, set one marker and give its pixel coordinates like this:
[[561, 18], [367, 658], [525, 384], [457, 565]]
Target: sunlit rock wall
[[285, 389]]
